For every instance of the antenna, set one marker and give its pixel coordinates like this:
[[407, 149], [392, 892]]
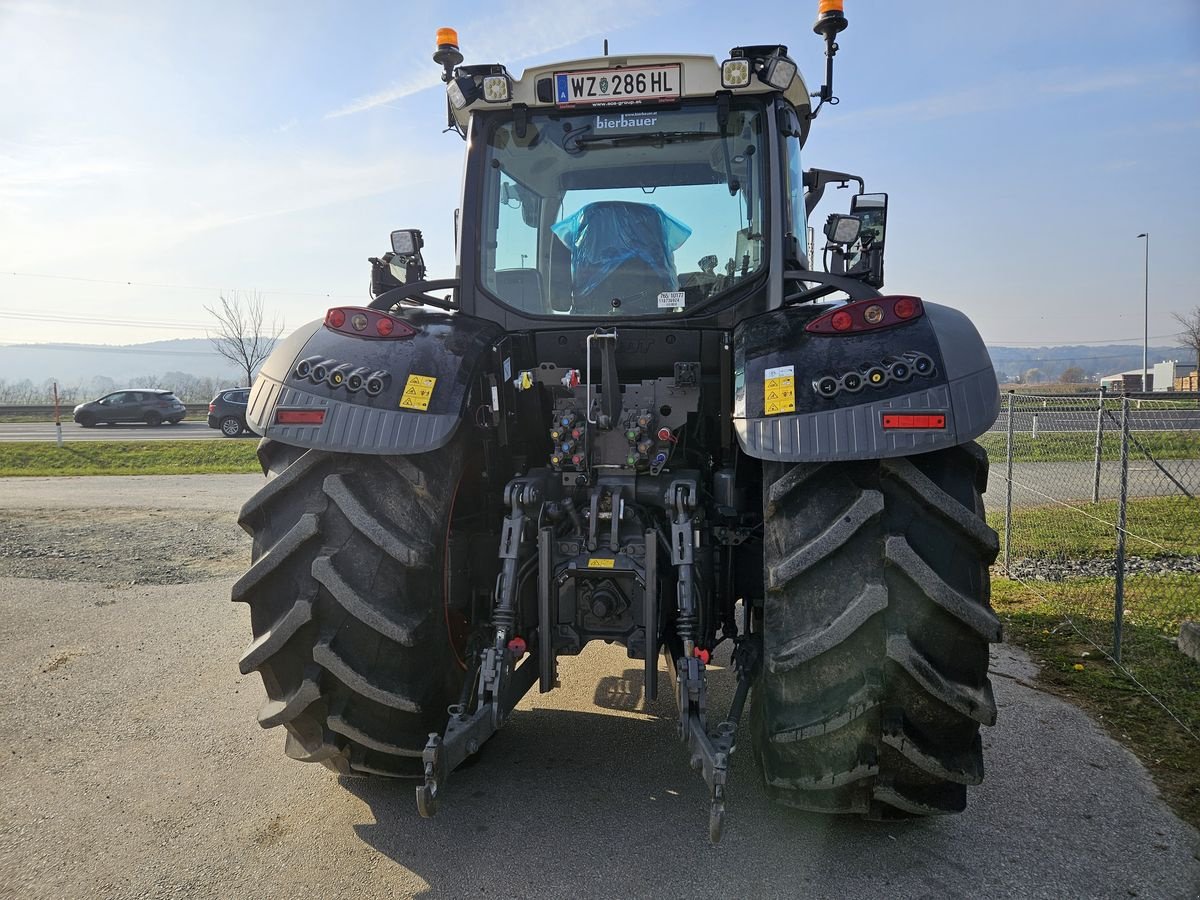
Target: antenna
[[606, 46]]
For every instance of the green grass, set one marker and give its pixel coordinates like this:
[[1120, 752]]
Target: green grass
[[1051, 446], [128, 458], [1034, 618], [1056, 532]]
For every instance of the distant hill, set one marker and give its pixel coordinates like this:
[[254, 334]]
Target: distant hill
[[1095, 360], [72, 364]]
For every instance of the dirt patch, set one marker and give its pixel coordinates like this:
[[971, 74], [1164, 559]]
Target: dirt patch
[[122, 546]]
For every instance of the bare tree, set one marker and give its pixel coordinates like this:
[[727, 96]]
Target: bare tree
[[242, 334], [1190, 336], [1073, 375]]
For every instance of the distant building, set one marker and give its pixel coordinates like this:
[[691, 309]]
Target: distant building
[[1127, 382], [1166, 374]]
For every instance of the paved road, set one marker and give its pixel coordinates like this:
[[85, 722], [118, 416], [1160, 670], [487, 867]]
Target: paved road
[[1084, 420], [130, 766], [44, 431]]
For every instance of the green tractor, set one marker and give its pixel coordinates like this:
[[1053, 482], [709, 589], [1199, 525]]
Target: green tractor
[[639, 413]]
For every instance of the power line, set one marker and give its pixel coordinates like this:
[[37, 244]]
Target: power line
[[179, 287], [135, 350], [1001, 343], [64, 319]]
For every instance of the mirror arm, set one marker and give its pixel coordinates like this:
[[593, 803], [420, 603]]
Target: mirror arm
[[829, 282], [815, 180], [416, 291]]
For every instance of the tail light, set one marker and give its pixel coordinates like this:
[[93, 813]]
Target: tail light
[[360, 322], [212, 407], [867, 315]]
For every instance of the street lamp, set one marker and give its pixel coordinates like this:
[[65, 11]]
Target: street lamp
[[1146, 313]]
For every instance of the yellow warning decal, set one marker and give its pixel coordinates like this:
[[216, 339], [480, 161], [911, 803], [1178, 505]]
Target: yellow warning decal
[[597, 562], [779, 390], [417, 391]]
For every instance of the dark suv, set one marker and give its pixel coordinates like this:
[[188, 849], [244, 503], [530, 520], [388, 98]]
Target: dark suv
[[228, 411], [153, 407]]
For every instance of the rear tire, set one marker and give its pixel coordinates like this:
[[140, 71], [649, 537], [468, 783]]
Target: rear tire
[[876, 630], [231, 427], [351, 605], [153, 420]]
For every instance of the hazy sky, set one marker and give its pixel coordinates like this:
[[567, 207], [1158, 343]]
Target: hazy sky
[[180, 149]]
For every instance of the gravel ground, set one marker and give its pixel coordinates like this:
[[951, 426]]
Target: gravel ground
[[1060, 569], [131, 766], [121, 546]]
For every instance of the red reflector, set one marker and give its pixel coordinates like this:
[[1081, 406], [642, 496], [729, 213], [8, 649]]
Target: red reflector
[[841, 320], [917, 420], [905, 307], [299, 417], [384, 326], [335, 318]]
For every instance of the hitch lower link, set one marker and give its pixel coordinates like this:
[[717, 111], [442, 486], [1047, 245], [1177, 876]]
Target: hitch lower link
[[501, 681], [710, 751]]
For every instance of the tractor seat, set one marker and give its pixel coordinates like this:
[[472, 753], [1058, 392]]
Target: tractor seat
[[621, 250]]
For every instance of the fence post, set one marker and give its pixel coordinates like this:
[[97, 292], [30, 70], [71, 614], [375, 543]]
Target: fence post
[[1099, 446], [1119, 586], [57, 416], [1008, 458]]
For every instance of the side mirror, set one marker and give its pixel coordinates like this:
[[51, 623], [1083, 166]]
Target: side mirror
[[871, 210]]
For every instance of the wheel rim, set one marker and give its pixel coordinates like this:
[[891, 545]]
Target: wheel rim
[[230, 427]]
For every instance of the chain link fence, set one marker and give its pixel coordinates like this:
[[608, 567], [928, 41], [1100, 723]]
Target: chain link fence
[[1097, 502]]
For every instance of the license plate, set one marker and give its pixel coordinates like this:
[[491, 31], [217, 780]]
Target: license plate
[[615, 87]]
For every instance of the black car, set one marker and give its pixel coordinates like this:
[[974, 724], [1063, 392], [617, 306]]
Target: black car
[[227, 411], [154, 407]]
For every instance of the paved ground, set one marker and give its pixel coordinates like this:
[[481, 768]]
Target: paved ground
[[186, 430], [131, 766]]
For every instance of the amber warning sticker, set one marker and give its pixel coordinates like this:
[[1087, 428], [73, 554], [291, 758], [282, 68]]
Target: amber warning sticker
[[599, 562], [417, 391], [779, 390]]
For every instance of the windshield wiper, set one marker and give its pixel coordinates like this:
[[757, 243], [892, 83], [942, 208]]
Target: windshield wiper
[[656, 138]]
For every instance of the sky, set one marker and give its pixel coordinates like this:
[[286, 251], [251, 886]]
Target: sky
[[154, 155]]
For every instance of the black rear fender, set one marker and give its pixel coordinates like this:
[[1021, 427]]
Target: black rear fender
[[424, 382], [805, 421]]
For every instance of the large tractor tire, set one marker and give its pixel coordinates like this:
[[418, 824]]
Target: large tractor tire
[[356, 606], [876, 625]]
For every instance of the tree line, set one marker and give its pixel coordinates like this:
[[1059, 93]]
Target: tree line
[[188, 388]]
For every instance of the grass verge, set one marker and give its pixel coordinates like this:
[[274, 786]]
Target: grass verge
[[1154, 526], [1035, 618], [1066, 446], [129, 458]]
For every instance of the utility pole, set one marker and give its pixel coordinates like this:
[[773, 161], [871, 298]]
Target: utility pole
[[1146, 314]]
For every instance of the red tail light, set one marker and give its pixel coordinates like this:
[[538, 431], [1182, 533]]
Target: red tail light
[[867, 315], [371, 324], [212, 407]]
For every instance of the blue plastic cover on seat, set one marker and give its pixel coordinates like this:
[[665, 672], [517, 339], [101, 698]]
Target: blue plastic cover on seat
[[611, 235]]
